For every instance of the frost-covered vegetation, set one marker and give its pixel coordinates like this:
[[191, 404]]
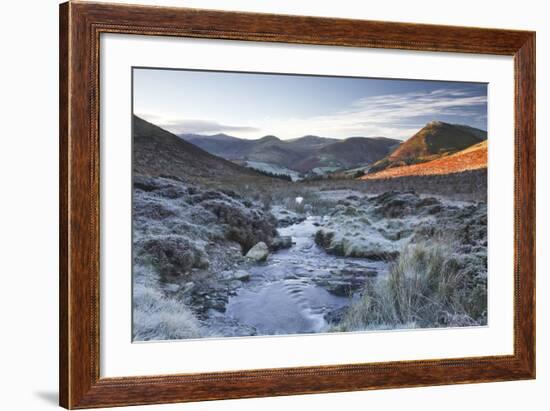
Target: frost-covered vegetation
[[429, 285], [334, 257], [437, 253], [223, 250], [157, 316], [180, 233]]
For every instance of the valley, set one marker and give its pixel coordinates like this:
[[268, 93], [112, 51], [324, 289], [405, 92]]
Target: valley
[[299, 157], [223, 250]]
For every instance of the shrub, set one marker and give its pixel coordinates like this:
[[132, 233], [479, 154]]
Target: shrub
[[172, 255], [243, 225]]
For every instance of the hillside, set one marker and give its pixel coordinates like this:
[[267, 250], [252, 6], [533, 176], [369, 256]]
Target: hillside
[[471, 158], [348, 153], [158, 152], [272, 150], [221, 145], [435, 140]]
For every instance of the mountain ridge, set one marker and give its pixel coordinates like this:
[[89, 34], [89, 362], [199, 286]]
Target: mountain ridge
[[468, 159], [302, 154], [436, 139]]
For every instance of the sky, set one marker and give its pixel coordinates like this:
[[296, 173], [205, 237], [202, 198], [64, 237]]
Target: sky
[[252, 105]]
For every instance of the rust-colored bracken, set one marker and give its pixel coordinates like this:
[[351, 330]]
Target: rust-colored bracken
[[80, 27], [472, 158]]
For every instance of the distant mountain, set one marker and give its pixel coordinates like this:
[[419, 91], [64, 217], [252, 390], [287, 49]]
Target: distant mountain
[[310, 142], [269, 140], [435, 140], [471, 158], [159, 152], [348, 153], [302, 154]]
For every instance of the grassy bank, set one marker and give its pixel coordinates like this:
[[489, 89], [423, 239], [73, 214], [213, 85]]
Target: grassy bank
[[427, 286]]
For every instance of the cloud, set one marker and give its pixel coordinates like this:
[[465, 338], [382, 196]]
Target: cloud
[[194, 126], [393, 115], [395, 109]]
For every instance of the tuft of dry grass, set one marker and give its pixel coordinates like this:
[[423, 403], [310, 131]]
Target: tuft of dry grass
[[158, 317], [425, 283], [425, 288]]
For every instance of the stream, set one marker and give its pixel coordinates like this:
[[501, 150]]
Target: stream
[[295, 290]]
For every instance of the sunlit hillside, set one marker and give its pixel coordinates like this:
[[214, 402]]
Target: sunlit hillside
[[471, 158]]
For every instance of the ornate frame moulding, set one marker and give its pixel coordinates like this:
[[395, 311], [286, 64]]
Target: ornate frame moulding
[[80, 27]]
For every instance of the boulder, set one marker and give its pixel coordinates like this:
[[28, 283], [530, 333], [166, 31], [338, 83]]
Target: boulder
[[280, 243], [259, 252], [242, 276], [246, 226], [367, 244], [286, 217], [239, 275]]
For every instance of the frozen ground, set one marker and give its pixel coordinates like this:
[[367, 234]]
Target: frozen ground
[[328, 252]]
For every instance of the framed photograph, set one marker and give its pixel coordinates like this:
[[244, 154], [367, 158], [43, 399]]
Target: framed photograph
[[259, 205]]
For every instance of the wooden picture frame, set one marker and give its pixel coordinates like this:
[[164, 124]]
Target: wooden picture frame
[[80, 27]]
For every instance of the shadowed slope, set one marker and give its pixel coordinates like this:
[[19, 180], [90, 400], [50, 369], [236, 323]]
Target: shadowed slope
[[158, 152], [351, 152]]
